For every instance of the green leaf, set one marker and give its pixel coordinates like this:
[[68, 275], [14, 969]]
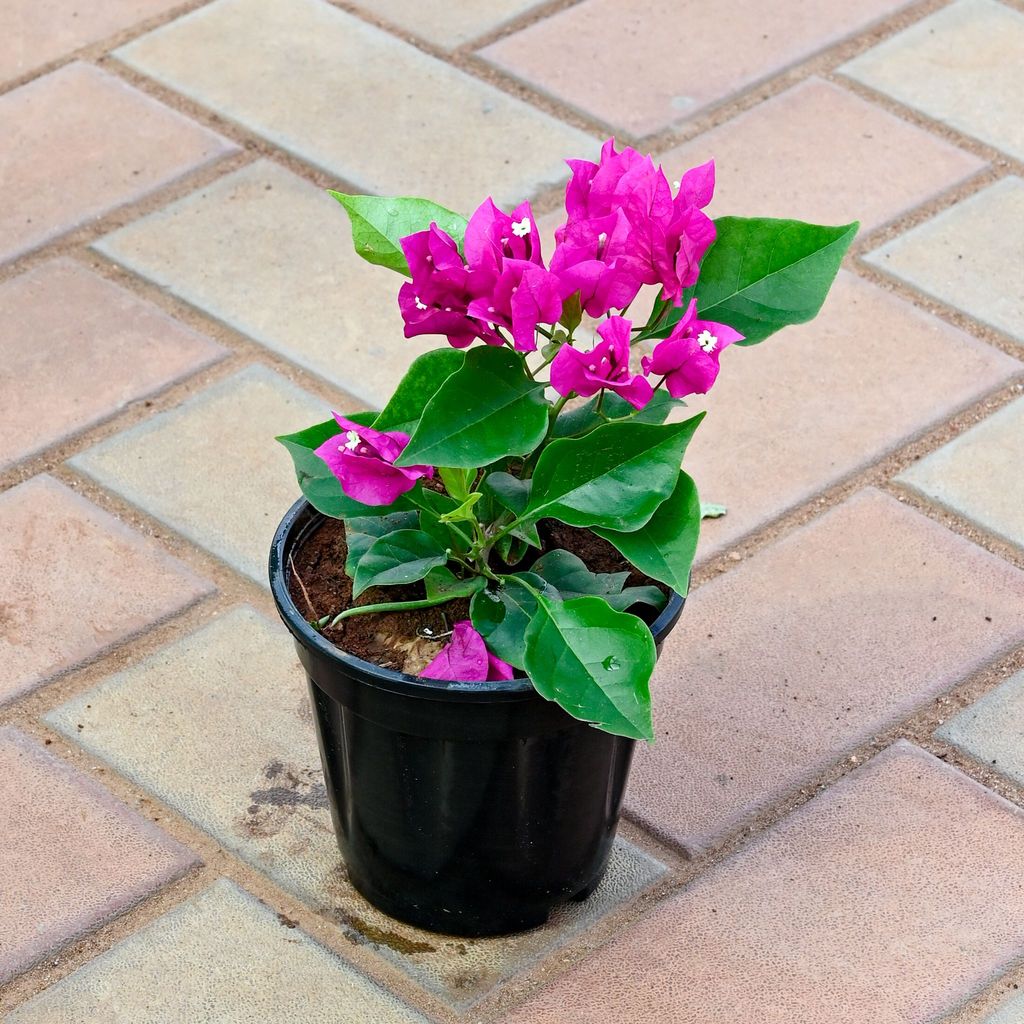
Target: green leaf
[[514, 494], [464, 512], [585, 418], [762, 275], [665, 547], [379, 222], [362, 531], [711, 511], [595, 662], [318, 483], [569, 575], [487, 409], [421, 382], [400, 557], [433, 505], [456, 481], [442, 582], [501, 615], [614, 477]]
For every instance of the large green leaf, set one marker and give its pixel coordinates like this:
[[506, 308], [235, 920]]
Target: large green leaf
[[318, 483], [585, 417], [485, 410], [762, 274], [615, 476], [425, 375], [501, 615], [595, 662], [665, 547], [404, 556], [569, 575], [362, 531], [513, 494], [379, 222]]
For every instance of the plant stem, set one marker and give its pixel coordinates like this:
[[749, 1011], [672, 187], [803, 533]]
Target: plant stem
[[385, 606]]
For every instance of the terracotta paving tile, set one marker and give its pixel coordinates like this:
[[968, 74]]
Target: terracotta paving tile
[[270, 255], [448, 23], [222, 957], [779, 668], [77, 582], [444, 134], [808, 407], [968, 256], [961, 66], [978, 473], [795, 175], [891, 897], [249, 774], [39, 31], [991, 730], [641, 65], [72, 856], [87, 143], [211, 468], [77, 349]]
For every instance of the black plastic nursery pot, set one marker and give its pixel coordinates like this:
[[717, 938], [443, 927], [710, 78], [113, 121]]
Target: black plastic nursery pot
[[465, 808]]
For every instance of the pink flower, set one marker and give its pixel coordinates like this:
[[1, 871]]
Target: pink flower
[[605, 366], [493, 236], [363, 461], [520, 297], [688, 357], [437, 298], [466, 659]]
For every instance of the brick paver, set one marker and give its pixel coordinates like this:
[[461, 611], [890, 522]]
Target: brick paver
[[86, 143], [978, 474], [210, 468], [78, 349], [72, 856], [960, 66], [77, 583], [969, 256], [992, 729], [222, 957], [779, 668], [795, 175], [239, 57], [36, 33], [448, 23], [641, 65], [891, 897], [236, 247], [773, 406], [249, 773]]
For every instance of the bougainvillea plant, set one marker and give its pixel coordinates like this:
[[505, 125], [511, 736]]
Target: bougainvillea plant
[[538, 407]]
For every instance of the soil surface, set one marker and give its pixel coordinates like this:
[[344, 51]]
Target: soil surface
[[407, 641]]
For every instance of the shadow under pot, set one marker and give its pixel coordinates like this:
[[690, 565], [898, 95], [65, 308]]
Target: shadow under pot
[[465, 808]]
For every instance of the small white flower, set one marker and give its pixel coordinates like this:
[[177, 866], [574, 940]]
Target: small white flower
[[521, 228], [707, 341], [419, 304], [352, 440]]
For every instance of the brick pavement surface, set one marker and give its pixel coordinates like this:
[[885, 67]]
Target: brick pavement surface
[[175, 288]]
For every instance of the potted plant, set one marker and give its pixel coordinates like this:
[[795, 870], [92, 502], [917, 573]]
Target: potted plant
[[480, 575]]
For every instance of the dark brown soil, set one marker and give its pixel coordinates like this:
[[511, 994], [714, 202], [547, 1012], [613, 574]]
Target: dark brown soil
[[319, 586]]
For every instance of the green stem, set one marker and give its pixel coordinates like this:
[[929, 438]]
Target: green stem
[[384, 606]]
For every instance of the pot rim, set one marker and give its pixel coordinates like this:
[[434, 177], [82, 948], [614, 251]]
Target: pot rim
[[386, 677]]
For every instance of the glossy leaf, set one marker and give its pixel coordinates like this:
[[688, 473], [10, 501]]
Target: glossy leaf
[[404, 556], [585, 417], [433, 505], [501, 616], [362, 531], [487, 409], [442, 582], [614, 477], [665, 547], [379, 222], [513, 494], [569, 575], [595, 662], [463, 513], [421, 382]]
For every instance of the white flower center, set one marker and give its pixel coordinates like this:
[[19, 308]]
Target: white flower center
[[521, 228], [352, 440], [707, 341], [419, 304]]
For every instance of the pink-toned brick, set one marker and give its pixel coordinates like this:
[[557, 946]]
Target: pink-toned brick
[[890, 898], [76, 582], [76, 349], [72, 856], [808, 407], [780, 667], [643, 64], [36, 32], [85, 143], [795, 175]]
